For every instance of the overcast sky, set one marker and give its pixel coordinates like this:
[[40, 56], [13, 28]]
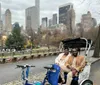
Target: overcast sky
[[48, 7]]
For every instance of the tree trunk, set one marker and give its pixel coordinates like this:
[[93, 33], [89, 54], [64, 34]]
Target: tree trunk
[[97, 46]]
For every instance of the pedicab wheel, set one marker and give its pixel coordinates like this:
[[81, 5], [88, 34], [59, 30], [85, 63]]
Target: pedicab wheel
[[87, 82]]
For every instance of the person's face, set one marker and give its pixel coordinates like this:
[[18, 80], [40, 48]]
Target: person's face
[[75, 53], [66, 52]]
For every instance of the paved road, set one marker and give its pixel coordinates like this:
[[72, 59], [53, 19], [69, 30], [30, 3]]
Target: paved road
[[95, 73], [9, 73]]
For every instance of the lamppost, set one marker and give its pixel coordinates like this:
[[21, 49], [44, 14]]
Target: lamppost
[[4, 38], [30, 39]]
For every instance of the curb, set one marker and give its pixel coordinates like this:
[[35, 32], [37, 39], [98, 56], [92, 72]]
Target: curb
[[26, 57], [91, 65], [95, 61]]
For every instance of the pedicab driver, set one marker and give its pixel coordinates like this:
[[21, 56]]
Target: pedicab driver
[[61, 60], [76, 64]]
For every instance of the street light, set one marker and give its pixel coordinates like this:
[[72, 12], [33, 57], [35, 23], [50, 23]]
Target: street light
[[30, 41], [4, 38]]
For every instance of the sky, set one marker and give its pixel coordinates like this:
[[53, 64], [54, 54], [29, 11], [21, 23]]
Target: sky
[[48, 7]]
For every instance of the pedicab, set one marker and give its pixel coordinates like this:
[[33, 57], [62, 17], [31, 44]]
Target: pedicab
[[83, 78], [53, 70]]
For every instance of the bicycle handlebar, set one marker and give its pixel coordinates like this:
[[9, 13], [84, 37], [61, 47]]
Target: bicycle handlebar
[[24, 66]]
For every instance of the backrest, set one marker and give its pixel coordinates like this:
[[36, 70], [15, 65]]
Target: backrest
[[53, 76]]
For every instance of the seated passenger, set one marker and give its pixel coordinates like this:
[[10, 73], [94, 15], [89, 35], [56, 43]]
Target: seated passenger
[[61, 60], [76, 64]]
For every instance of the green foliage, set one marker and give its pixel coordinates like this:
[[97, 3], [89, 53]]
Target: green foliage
[[16, 40]]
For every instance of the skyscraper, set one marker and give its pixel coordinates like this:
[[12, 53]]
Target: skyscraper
[[67, 16], [1, 27], [44, 22], [0, 11], [1, 23], [88, 22], [54, 19], [33, 17], [37, 4], [8, 22], [50, 22]]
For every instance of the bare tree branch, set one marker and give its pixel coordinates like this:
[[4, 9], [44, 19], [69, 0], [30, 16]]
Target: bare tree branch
[[83, 1], [89, 2], [97, 12]]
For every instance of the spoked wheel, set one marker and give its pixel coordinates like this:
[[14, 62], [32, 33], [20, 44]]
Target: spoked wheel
[[87, 82]]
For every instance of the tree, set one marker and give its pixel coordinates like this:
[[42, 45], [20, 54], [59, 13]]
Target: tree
[[92, 34], [16, 40], [97, 42], [97, 46], [33, 35]]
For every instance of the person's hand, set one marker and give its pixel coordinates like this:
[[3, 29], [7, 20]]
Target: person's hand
[[69, 67], [57, 63], [74, 71], [63, 80]]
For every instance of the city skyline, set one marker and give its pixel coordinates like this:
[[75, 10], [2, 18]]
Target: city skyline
[[46, 9]]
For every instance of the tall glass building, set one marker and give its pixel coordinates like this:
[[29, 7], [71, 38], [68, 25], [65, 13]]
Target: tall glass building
[[33, 16], [44, 22], [63, 13], [67, 16]]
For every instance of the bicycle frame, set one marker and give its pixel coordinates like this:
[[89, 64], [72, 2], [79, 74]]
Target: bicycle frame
[[25, 73], [25, 77]]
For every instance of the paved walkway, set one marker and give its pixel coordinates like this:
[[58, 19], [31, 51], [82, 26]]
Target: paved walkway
[[95, 73], [9, 73]]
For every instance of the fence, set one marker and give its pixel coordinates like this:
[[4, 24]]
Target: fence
[[7, 57]]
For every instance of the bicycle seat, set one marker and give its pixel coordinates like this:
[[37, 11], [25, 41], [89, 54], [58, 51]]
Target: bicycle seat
[[49, 68]]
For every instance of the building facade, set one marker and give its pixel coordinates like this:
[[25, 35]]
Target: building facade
[[54, 19], [0, 11], [33, 17], [1, 23], [79, 31], [67, 16], [60, 27], [1, 27], [50, 22], [8, 22], [88, 22], [44, 22]]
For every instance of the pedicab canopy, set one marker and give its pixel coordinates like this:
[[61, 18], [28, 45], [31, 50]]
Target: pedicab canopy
[[76, 43]]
